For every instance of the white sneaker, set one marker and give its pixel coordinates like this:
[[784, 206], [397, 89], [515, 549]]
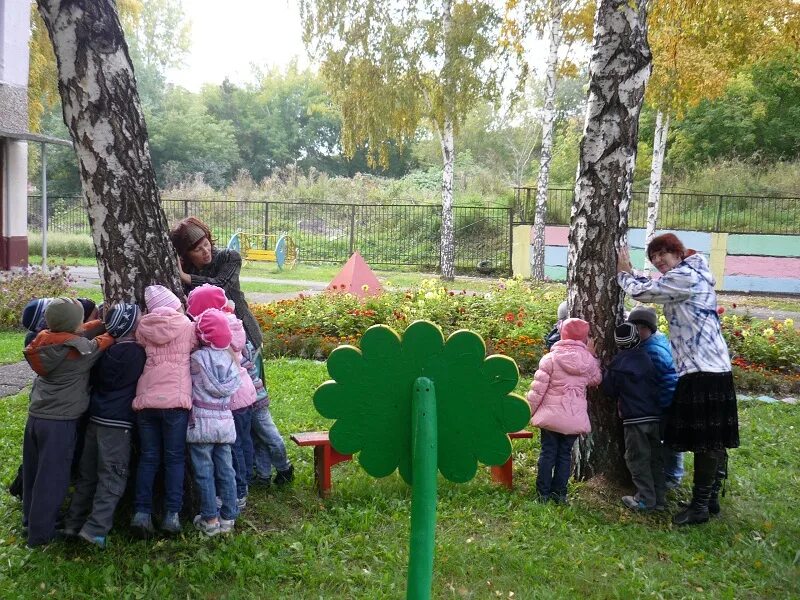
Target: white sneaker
[[226, 525], [206, 527], [241, 502]]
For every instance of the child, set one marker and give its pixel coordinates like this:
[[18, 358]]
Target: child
[[558, 405], [61, 357], [657, 347], [162, 404], [215, 377], [106, 454], [631, 380], [555, 333], [199, 300], [270, 449]]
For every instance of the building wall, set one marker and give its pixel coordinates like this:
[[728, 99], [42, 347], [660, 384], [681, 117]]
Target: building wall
[[740, 262]]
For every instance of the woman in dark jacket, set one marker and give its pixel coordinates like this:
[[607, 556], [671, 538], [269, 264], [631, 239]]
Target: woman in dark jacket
[[202, 262]]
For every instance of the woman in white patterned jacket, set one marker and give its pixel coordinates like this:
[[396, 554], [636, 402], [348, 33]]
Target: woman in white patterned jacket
[[703, 416]]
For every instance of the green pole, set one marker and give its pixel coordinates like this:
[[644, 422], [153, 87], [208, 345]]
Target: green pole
[[424, 466]]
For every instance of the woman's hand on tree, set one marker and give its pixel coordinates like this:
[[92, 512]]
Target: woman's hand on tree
[[187, 279], [624, 261]]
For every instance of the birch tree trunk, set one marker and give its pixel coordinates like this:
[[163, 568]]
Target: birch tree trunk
[[104, 117], [548, 121], [447, 248], [447, 243], [656, 169], [618, 72]]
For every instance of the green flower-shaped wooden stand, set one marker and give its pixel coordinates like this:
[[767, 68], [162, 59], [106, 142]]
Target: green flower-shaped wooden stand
[[420, 404]]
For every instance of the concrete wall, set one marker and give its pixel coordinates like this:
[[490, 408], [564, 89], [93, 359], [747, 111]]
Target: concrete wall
[[740, 262]]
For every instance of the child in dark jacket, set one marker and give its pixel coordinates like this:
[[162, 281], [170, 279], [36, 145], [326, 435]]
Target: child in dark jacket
[[631, 380], [103, 471], [62, 357]]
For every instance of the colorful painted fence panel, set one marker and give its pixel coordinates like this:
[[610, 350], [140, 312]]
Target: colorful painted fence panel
[[740, 262]]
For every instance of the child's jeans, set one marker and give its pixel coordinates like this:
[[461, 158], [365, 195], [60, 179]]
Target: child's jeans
[[47, 450], [161, 428], [243, 450], [270, 451], [673, 466], [555, 464], [645, 460], [102, 476], [214, 476]]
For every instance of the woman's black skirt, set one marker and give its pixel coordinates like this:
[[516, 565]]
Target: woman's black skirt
[[703, 415]]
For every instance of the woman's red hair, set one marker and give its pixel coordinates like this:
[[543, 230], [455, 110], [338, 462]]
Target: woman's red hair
[[668, 242]]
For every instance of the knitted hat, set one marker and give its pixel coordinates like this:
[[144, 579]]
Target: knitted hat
[[563, 311], [88, 307], [575, 329], [204, 297], [33, 314], [158, 295], [626, 336], [121, 319], [63, 315], [644, 315], [213, 329], [187, 233]]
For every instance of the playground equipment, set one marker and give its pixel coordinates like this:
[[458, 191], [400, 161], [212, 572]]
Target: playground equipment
[[421, 405], [278, 248]]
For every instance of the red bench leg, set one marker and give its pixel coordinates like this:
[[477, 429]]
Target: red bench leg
[[504, 474], [326, 457]]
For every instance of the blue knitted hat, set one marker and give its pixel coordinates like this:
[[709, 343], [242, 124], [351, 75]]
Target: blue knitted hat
[[121, 319]]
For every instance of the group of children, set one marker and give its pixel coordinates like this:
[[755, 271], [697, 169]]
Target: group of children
[[641, 378], [178, 382]]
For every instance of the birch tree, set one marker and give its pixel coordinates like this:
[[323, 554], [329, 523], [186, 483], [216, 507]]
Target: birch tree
[[618, 72], [104, 117], [389, 65]]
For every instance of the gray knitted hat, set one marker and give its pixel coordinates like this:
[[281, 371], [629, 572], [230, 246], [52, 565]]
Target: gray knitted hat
[[64, 315]]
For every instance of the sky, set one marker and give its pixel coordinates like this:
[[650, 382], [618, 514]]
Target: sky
[[227, 36]]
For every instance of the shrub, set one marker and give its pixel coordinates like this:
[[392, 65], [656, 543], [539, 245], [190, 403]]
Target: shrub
[[17, 288]]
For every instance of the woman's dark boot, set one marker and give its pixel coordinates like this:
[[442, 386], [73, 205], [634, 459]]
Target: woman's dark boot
[[705, 469], [718, 487]]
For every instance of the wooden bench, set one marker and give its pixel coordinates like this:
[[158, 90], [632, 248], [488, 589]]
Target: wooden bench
[[325, 457], [280, 249]]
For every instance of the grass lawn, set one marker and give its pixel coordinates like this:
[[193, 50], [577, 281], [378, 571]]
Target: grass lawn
[[11, 343], [490, 543]]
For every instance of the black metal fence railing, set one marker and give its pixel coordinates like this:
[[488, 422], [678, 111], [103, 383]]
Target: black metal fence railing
[[393, 235], [682, 211]]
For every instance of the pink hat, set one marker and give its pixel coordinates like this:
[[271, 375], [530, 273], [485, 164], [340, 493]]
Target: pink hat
[[575, 329], [204, 297], [213, 329], [157, 295]]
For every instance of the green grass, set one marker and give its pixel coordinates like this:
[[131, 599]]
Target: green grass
[[70, 261], [11, 343], [780, 303], [271, 288], [291, 544]]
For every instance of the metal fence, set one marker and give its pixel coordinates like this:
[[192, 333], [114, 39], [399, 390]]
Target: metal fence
[[681, 211], [385, 235]]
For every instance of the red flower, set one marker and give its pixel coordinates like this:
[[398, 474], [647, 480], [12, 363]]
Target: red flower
[[733, 305], [720, 310], [510, 317]]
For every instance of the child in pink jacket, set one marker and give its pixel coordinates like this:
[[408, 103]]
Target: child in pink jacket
[[558, 405], [162, 404]]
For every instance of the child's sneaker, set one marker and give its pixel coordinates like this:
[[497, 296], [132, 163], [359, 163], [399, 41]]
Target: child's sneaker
[[142, 524], [634, 503], [241, 502], [96, 540], [226, 525], [209, 528], [171, 523], [219, 502], [285, 476]]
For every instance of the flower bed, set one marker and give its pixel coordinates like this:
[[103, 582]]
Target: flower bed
[[512, 319]]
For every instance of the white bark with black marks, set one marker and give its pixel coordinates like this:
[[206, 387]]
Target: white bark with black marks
[[618, 72], [447, 240], [656, 170], [104, 117], [548, 122]]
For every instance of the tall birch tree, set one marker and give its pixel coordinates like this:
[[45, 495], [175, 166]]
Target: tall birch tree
[[104, 117], [618, 72], [389, 65]]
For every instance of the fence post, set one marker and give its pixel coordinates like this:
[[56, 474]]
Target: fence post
[[510, 243], [352, 229], [44, 206], [266, 218], [719, 214], [185, 208]]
